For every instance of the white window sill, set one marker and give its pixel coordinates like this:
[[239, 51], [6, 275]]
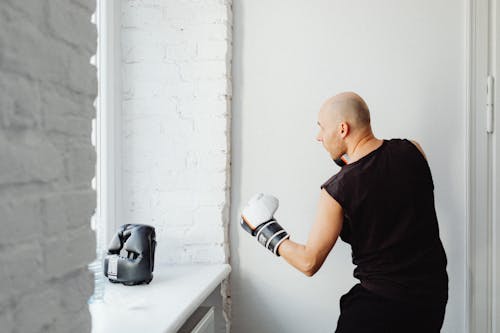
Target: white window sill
[[162, 306]]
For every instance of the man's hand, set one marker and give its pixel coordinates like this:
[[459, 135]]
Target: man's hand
[[257, 218]]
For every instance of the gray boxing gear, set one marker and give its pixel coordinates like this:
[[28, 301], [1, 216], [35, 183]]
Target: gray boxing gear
[[271, 235], [139, 243]]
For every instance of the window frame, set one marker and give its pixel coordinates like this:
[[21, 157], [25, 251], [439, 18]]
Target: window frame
[[108, 120]]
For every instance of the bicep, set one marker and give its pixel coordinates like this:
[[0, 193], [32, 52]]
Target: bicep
[[326, 229], [419, 147]]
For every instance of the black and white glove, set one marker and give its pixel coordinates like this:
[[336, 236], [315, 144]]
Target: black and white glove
[[257, 218]]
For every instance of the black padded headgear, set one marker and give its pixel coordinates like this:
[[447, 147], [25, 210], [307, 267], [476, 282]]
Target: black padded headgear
[[139, 242]]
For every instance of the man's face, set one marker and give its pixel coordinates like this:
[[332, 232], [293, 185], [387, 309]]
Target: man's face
[[330, 135]]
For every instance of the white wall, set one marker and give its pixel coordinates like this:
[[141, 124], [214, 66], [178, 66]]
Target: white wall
[[407, 59], [175, 118], [47, 161]]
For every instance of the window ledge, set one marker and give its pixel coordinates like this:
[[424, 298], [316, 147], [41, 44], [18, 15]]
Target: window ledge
[[162, 306]]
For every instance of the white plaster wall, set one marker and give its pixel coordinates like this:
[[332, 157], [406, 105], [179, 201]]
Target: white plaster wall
[[407, 59], [175, 119]]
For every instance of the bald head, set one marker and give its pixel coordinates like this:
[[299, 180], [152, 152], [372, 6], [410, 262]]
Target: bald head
[[348, 107]]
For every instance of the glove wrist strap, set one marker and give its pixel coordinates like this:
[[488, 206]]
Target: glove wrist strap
[[271, 235]]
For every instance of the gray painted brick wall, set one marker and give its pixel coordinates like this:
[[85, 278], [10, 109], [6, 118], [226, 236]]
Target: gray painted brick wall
[[47, 90]]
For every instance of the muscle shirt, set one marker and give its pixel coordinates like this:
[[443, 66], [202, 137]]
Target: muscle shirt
[[390, 222]]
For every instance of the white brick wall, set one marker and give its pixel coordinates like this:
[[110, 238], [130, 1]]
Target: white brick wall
[[47, 87], [176, 118]]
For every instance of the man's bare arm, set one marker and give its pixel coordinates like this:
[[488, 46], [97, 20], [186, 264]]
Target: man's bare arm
[[309, 258], [419, 147]]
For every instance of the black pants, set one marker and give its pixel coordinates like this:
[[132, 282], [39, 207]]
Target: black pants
[[362, 311]]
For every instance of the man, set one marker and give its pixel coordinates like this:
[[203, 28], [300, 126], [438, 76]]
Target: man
[[381, 202]]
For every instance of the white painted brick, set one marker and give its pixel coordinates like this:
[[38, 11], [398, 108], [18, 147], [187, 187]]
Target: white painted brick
[[210, 217], [214, 162], [191, 108], [175, 138], [180, 11], [170, 180], [205, 129], [161, 105], [211, 90], [211, 50], [207, 228], [147, 38], [140, 50], [169, 153], [142, 126], [211, 197], [136, 91], [210, 253], [180, 216], [209, 70], [137, 210], [208, 32], [177, 198], [151, 72], [190, 11], [209, 167], [181, 52], [173, 253], [141, 14], [180, 31], [180, 91]]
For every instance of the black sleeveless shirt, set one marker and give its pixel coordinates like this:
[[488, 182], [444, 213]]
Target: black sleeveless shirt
[[390, 222]]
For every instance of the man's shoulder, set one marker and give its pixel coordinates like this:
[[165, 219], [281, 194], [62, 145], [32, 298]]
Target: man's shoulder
[[412, 143], [339, 178], [419, 147], [329, 180], [406, 141]]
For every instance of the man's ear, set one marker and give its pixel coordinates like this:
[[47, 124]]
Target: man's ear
[[344, 129]]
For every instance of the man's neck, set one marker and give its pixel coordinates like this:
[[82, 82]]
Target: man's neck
[[365, 145]]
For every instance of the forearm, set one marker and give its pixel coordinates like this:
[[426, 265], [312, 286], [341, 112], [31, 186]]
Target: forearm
[[297, 255], [258, 220]]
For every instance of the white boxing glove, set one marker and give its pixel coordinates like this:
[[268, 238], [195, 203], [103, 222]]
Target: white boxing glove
[[257, 218], [260, 209]]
